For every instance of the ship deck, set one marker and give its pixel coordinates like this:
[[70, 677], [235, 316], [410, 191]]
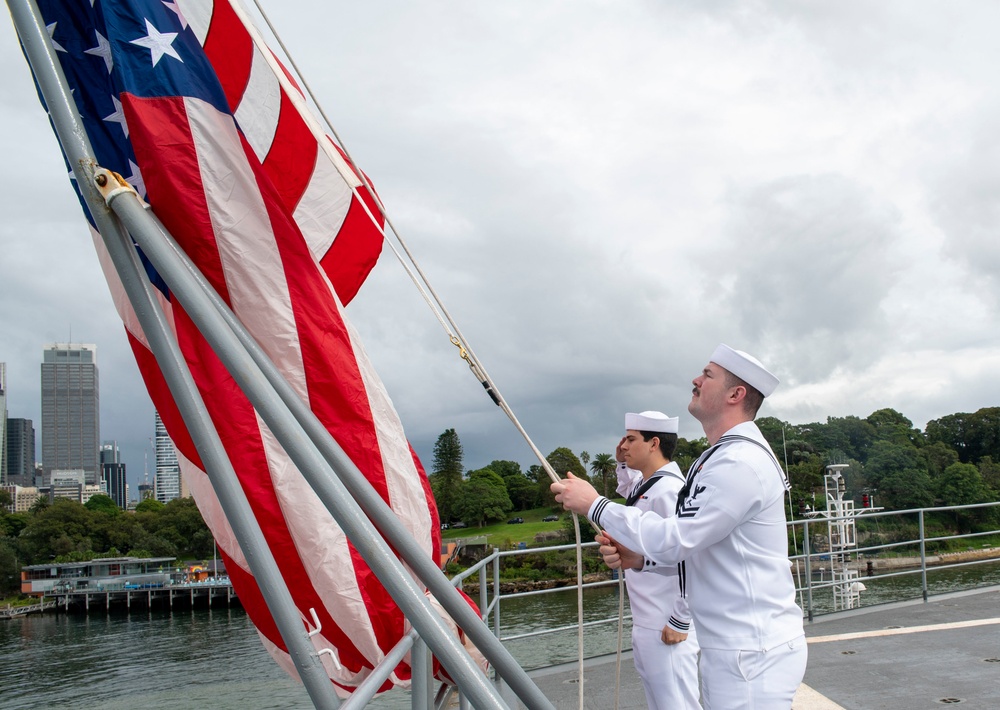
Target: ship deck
[[900, 656]]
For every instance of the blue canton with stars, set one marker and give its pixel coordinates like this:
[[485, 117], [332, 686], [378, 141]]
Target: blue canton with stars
[[110, 47]]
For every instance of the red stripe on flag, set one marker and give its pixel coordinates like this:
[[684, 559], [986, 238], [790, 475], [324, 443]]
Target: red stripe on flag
[[347, 262], [230, 50], [290, 161]]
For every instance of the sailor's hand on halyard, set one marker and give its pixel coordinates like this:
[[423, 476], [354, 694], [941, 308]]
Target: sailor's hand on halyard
[[615, 556], [574, 493]]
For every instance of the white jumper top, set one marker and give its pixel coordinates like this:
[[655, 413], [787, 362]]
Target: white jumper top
[[656, 599], [730, 532]]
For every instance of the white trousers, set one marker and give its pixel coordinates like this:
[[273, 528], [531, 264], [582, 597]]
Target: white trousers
[[752, 680], [669, 674]]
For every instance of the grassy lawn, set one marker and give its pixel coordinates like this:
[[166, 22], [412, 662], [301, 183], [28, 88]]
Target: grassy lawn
[[500, 534]]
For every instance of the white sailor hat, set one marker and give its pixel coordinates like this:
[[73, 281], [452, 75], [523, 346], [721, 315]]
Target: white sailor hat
[[651, 421], [746, 367]]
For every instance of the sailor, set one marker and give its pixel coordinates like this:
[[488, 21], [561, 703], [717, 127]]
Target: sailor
[[664, 643], [730, 532]]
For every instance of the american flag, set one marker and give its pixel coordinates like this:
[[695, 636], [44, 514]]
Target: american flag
[[180, 99]]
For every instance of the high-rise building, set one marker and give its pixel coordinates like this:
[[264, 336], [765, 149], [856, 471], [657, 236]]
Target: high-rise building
[[3, 424], [168, 473], [113, 474], [71, 425], [20, 452]]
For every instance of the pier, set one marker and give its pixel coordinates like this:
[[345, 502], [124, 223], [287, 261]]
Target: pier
[[169, 596], [11, 611]]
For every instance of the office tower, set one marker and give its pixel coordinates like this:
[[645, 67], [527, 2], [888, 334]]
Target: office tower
[[67, 483], [167, 481], [3, 424], [113, 474], [20, 452], [71, 425]]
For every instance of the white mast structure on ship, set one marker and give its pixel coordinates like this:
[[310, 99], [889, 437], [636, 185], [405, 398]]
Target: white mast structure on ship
[[840, 516]]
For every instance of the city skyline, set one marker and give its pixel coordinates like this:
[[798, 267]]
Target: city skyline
[[24, 417]]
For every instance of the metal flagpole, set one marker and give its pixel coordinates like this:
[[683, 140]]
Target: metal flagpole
[[149, 235], [76, 145], [370, 501]]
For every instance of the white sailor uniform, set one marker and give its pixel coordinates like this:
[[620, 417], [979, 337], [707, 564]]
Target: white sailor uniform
[[730, 532], [669, 673]]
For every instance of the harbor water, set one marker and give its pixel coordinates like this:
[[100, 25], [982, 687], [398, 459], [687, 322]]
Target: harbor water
[[193, 659]]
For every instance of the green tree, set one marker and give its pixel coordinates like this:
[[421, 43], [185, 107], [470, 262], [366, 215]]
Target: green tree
[[603, 467], [890, 425], [806, 477], [990, 471], [10, 570], [102, 504], [939, 456], [61, 528], [39, 505], [446, 478], [149, 505], [851, 435], [484, 498], [5, 501], [972, 436], [12, 524], [562, 460], [897, 473], [181, 523], [962, 484], [505, 469], [688, 451], [773, 430]]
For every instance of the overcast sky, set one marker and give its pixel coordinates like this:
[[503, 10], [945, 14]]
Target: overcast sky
[[601, 192]]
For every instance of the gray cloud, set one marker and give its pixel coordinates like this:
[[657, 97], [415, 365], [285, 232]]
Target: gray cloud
[[600, 193]]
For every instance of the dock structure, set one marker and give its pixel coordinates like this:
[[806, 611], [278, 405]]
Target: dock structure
[[12, 612], [156, 582], [147, 596]]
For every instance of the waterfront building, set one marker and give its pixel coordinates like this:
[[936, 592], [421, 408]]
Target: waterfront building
[[70, 409], [167, 481], [20, 452], [3, 424], [113, 474], [99, 574], [21, 497]]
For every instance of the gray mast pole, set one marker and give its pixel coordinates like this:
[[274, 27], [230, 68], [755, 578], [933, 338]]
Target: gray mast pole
[[371, 502], [73, 138], [149, 235]]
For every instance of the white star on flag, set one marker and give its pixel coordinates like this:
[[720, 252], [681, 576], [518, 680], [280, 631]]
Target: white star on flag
[[102, 50], [118, 116], [158, 43], [177, 11], [55, 45], [135, 180]]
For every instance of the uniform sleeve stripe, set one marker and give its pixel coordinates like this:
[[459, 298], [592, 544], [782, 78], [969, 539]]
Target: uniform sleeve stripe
[[597, 509]]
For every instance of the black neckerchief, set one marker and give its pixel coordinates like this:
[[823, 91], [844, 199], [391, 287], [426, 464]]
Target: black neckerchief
[[643, 487]]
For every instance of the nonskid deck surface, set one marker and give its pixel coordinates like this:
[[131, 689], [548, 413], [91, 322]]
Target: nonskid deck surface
[[902, 656]]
